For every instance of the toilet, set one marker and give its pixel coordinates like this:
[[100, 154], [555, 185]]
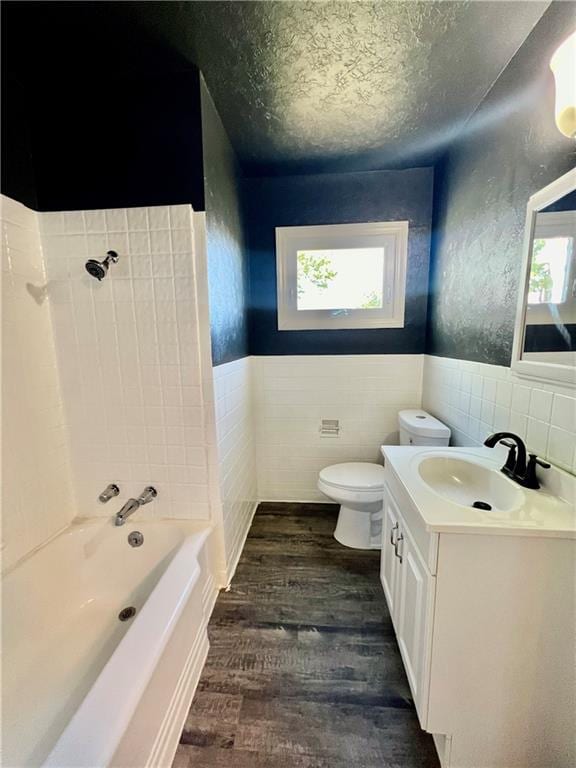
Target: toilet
[[417, 427], [358, 486]]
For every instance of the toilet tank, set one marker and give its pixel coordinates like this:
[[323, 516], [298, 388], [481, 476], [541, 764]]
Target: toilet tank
[[420, 428]]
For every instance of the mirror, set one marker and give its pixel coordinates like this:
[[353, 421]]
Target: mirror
[[545, 334]]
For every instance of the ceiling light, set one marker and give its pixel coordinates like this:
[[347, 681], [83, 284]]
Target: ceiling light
[[563, 65]]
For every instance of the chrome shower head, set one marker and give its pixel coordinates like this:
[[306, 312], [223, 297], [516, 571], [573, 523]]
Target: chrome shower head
[[96, 269], [99, 269]]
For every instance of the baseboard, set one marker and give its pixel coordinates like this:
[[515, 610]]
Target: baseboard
[[231, 569], [296, 501]]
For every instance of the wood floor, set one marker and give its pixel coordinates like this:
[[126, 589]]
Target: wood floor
[[303, 669]]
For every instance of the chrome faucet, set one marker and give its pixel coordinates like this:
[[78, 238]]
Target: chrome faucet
[[147, 495], [108, 493]]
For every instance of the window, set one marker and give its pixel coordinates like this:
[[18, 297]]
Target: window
[[341, 276]]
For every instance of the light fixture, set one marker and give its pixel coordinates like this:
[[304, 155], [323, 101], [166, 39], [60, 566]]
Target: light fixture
[[563, 66]]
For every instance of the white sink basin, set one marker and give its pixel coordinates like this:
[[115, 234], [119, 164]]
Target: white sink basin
[[443, 484], [465, 482]]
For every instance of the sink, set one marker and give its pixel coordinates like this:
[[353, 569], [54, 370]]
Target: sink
[[443, 485], [470, 484]]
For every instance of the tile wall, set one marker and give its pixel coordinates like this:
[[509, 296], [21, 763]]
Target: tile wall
[[142, 404], [293, 394], [129, 356], [235, 444], [37, 496], [476, 399]]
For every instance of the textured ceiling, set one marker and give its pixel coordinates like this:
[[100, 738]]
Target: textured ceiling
[[316, 86], [300, 86]]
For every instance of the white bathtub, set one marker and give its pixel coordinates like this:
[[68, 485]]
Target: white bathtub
[[81, 688]]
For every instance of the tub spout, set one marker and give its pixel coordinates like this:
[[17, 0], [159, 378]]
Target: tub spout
[[147, 495], [128, 509]]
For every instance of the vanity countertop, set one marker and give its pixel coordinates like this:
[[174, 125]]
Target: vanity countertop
[[529, 512]]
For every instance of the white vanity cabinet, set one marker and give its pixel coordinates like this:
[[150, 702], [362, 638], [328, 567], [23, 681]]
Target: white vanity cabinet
[[485, 624], [409, 587], [389, 563]]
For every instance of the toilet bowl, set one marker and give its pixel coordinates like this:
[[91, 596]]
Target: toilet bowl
[[359, 486]]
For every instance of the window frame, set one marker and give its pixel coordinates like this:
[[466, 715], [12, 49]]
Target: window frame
[[290, 240]]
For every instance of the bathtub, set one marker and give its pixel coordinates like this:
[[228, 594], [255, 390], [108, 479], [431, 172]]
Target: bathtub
[[80, 686]]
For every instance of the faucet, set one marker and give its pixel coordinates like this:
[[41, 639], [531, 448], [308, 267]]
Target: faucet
[[147, 495], [515, 467]]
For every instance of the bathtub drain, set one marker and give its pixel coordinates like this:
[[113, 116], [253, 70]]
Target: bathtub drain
[[127, 613]]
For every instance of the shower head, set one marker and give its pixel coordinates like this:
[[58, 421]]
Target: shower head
[[99, 269], [96, 269]]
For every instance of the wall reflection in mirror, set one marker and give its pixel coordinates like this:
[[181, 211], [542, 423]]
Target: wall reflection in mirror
[[550, 317]]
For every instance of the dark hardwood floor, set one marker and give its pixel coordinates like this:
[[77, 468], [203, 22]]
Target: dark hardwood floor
[[303, 669]]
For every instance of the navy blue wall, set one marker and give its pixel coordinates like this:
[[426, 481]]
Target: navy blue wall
[[227, 264], [17, 169], [336, 199], [510, 149], [96, 113]]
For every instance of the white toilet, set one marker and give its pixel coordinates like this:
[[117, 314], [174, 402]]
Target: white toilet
[[358, 486]]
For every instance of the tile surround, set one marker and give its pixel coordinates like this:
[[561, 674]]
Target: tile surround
[[37, 495], [129, 356], [235, 445], [142, 403], [293, 393], [476, 399]]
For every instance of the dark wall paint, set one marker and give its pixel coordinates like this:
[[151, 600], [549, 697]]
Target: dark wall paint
[[140, 145], [336, 199], [550, 338], [227, 266], [18, 180], [510, 149], [566, 203], [99, 113]]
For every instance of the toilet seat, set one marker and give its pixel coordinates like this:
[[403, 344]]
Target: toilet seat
[[356, 476]]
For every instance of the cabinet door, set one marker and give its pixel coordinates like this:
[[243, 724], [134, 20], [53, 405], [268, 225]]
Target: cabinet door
[[415, 605], [389, 563]]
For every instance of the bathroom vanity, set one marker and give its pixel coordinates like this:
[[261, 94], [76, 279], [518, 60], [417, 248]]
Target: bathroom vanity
[[483, 602]]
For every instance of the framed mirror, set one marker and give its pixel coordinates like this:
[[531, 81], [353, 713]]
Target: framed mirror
[[545, 331]]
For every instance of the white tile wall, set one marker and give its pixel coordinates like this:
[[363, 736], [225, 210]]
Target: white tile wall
[[476, 399], [129, 356], [236, 453], [143, 404], [37, 490], [293, 394]]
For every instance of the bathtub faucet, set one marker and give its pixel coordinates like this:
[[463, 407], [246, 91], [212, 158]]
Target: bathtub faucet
[[147, 495]]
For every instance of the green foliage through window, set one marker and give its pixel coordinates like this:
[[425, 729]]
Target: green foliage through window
[[315, 269], [373, 301], [540, 277]]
